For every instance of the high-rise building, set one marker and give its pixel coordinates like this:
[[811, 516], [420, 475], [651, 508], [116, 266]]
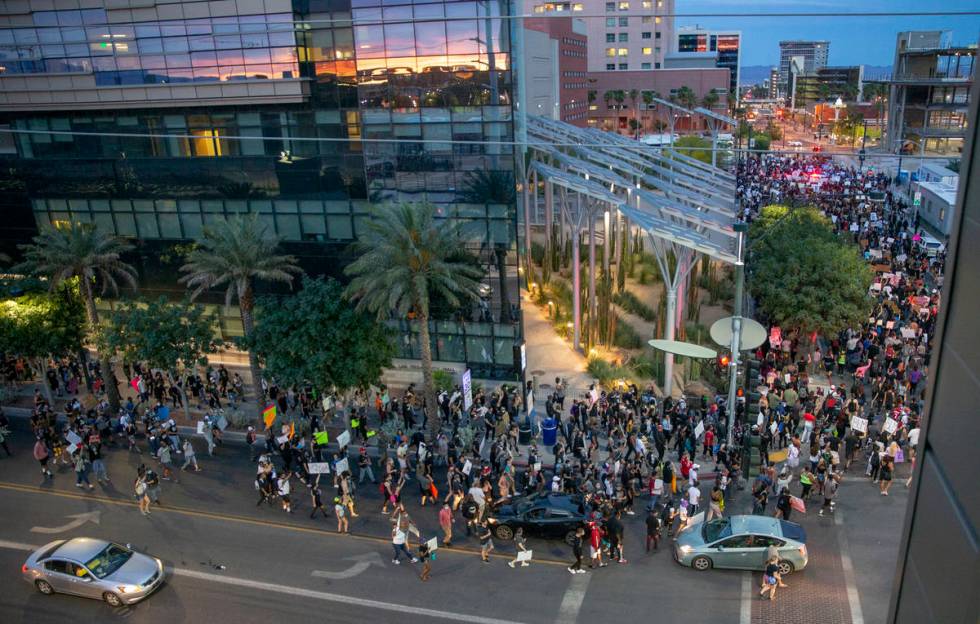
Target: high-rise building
[[724, 44], [773, 83], [829, 82], [555, 68], [930, 92], [633, 35], [814, 54], [155, 119]]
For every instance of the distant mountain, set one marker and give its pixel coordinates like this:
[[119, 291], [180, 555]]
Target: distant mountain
[[757, 74]]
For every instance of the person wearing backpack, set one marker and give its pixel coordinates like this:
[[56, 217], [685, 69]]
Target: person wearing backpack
[[470, 510]]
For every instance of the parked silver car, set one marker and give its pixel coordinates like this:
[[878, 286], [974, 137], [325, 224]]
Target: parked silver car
[[93, 568], [741, 543]]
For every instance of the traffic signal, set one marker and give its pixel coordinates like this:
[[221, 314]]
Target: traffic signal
[[724, 360], [752, 396]]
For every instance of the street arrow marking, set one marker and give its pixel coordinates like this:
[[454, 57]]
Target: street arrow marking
[[79, 520], [361, 564]]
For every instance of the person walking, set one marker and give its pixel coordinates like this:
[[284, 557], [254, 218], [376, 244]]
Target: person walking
[[577, 544], [340, 510], [446, 524], [653, 529], [769, 578], [364, 467], [42, 455], [317, 500], [152, 480], [716, 504], [829, 492], [166, 461], [94, 450], [486, 541], [190, 458], [693, 497], [520, 542], [398, 539], [142, 497], [885, 474], [284, 489], [81, 462]]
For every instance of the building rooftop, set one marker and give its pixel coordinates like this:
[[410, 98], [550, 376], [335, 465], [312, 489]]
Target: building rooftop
[[943, 191]]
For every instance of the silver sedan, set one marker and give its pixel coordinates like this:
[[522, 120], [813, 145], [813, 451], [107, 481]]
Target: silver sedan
[[93, 568]]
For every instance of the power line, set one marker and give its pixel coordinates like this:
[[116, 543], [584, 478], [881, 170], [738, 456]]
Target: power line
[[528, 144]]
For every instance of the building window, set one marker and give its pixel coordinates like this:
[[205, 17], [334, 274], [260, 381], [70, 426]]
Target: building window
[[644, 35], [624, 66], [610, 6], [622, 52], [610, 51], [658, 36], [610, 66], [610, 37], [644, 65], [647, 4], [646, 19], [610, 22], [624, 6], [658, 20], [647, 51], [624, 22], [624, 37], [578, 6], [656, 65]]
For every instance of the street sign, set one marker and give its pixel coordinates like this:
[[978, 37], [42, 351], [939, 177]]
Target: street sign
[[467, 390], [917, 200]]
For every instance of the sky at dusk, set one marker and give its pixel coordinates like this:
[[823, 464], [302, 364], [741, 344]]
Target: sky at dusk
[[853, 41]]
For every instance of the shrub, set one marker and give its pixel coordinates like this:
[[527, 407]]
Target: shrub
[[443, 380], [626, 337], [606, 372], [632, 304]]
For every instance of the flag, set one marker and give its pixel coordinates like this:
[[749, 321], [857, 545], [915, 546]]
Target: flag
[[321, 438], [269, 415], [292, 430]]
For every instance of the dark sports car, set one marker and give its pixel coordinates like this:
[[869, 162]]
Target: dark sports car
[[551, 516]]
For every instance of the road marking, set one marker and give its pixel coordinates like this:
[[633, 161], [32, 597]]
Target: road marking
[[340, 598], [245, 520], [571, 602], [362, 563], [745, 608], [79, 520], [310, 593], [853, 599], [17, 546]]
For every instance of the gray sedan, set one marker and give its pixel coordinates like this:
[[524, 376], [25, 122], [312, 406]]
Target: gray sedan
[[741, 543], [93, 568]]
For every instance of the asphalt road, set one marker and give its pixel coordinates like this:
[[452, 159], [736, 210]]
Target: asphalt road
[[269, 558]]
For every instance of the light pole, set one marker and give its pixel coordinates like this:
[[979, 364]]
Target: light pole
[[740, 228]]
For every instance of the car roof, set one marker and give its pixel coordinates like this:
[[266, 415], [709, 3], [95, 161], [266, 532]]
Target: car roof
[[80, 549], [763, 525]]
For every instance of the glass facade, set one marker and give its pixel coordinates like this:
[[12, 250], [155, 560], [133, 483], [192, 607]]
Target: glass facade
[[406, 102]]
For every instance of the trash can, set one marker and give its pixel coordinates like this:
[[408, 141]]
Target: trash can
[[524, 431], [549, 432]]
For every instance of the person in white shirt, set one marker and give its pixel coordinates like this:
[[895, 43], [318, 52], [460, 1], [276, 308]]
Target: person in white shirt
[[284, 490], [693, 496]]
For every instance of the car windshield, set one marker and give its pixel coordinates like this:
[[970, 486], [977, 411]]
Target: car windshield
[[109, 560], [715, 530]]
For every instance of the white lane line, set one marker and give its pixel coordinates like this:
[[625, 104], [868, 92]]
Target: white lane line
[[17, 546], [572, 601], [316, 595], [745, 608], [343, 599], [853, 598]]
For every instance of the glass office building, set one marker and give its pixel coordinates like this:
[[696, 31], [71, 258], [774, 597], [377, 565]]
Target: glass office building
[[153, 125]]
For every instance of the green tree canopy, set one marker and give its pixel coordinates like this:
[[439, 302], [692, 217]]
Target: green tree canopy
[[165, 335], [316, 336], [804, 276], [695, 147]]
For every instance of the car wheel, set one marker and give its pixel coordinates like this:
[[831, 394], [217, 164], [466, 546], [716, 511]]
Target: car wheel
[[701, 563], [504, 532], [112, 599], [785, 567], [44, 587]]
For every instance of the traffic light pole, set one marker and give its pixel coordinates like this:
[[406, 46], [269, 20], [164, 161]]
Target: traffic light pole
[[740, 229]]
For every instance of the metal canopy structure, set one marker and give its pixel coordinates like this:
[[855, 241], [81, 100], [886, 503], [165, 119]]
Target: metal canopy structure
[[685, 206]]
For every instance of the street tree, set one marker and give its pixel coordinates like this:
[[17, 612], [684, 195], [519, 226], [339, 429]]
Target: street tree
[[316, 336], [803, 276], [695, 147], [39, 326], [687, 97], [404, 258], [233, 254], [166, 336], [80, 250]]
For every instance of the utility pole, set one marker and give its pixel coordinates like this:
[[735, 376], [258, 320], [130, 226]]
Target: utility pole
[[740, 229]]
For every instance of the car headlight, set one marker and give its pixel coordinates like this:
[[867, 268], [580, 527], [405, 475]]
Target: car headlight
[[685, 549], [128, 589], [491, 521]]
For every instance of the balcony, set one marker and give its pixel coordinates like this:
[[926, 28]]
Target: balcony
[[912, 79]]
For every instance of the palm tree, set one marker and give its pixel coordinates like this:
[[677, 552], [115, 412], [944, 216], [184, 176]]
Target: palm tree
[[687, 97], [710, 99], [80, 250], [234, 254], [732, 100], [607, 97], [404, 258], [635, 122]]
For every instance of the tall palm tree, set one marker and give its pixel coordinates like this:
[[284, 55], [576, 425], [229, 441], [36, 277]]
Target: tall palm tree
[[80, 250], [404, 258], [687, 97], [234, 254]]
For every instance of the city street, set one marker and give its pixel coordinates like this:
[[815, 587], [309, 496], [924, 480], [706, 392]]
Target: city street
[[229, 561]]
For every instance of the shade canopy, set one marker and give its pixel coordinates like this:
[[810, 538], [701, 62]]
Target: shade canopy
[[686, 349]]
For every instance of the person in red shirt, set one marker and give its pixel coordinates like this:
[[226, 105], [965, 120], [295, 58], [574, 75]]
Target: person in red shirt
[[709, 443], [686, 464], [595, 545]]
